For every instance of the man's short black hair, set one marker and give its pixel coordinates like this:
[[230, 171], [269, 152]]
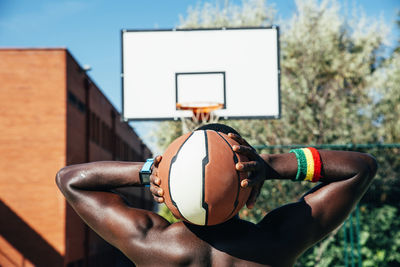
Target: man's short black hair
[[219, 128]]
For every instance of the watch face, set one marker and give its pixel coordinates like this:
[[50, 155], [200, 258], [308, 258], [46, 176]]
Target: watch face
[[145, 178]]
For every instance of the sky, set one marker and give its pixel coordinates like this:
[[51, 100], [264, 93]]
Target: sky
[[91, 30]]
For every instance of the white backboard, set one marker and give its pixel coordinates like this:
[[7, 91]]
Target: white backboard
[[238, 66]]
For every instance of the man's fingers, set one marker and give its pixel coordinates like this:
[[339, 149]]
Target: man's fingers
[[255, 192], [238, 139], [156, 191], [155, 180], [235, 137], [252, 200], [157, 161], [248, 166], [254, 180], [248, 182], [158, 199], [248, 151], [253, 197]]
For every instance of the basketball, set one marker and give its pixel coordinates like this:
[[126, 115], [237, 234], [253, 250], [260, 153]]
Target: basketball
[[199, 179]]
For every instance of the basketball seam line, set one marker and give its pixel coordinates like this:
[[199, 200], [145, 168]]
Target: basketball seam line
[[205, 161]]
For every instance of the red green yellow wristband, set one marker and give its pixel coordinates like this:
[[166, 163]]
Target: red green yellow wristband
[[308, 164]]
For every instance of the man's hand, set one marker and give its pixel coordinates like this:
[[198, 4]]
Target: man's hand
[[256, 167], [155, 182]]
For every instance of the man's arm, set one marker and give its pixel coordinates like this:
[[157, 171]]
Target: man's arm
[[87, 189], [346, 176]]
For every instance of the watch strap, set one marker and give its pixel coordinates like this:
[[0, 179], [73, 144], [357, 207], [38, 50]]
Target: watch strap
[[146, 171]]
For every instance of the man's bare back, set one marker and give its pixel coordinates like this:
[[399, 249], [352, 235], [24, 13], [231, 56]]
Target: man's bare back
[[277, 240], [233, 243]]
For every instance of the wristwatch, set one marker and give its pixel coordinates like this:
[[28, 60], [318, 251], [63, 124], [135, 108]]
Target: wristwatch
[[145, 172]]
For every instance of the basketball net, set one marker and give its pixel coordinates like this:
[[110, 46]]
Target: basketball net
[[203, 113]]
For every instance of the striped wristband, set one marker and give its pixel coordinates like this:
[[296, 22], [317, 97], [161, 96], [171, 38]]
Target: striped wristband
[[308, 164]]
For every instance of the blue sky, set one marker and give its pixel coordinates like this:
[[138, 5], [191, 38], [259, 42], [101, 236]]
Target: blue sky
[[90, 29]]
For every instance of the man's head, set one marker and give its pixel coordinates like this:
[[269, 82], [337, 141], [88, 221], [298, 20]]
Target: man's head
[[219, 128]]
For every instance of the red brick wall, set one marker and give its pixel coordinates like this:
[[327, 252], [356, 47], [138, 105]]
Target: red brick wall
[[43, 126], [32, 150]]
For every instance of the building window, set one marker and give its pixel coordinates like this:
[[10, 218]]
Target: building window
[[105, 137], [94, 128], [102, 135], [75, 102]]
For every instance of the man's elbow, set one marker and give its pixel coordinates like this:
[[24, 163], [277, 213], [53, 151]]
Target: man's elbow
[[63, 179], [371, 165]]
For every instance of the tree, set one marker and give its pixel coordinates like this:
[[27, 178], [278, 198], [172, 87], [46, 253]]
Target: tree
[[250, 13], [386, 111]]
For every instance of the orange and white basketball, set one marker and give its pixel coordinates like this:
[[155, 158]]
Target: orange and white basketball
[[199, 179]]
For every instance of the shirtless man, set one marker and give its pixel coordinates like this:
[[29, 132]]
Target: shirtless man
[[277, 240]]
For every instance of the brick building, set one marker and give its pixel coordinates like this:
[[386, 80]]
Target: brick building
[[52, 115]]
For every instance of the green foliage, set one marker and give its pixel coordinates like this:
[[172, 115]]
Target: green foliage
[[386, 111], [386, 186], [167, 132], [227, 14], [387, 84], [166, 214], [381, 245], [379, 241]]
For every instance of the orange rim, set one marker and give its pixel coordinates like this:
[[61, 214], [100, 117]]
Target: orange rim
[[199, 107]]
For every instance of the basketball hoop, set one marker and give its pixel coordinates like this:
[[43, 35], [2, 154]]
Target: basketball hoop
[[203, 112]]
